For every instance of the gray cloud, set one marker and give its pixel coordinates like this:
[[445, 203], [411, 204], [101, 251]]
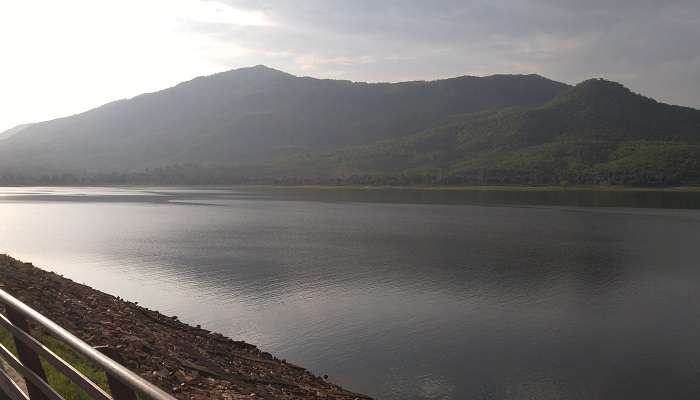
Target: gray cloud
[[652, 46]]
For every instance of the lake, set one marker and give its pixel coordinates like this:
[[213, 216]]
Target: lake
[[402, 294]]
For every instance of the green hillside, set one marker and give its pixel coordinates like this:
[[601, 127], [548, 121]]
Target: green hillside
[[251, 115], [259, 125], [597, 132]]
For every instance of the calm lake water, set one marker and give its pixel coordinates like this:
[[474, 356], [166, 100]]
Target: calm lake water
[[402, 294]]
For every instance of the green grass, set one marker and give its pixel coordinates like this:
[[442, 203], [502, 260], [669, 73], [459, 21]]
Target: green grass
[[64, 386]]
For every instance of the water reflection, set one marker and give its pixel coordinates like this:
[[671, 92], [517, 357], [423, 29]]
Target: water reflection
[[394, 294]]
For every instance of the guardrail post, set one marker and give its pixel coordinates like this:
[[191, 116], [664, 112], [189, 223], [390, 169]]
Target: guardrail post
[[26, 355], [119, 390]]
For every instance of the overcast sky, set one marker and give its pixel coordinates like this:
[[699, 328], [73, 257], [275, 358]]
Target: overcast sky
[[62, 57]]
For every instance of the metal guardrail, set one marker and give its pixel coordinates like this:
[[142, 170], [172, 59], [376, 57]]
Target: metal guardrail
[[123, 383]]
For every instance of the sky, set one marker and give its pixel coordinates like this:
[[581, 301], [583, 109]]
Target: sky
[[62, 57]]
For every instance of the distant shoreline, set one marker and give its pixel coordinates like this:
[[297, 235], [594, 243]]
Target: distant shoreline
[[524, 188]]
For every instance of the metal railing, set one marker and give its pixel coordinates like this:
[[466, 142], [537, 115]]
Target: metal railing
[[123, 384]]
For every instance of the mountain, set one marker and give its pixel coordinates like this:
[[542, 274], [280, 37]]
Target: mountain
[[6, 134], [596, 132], [252, 115], [260, 125]]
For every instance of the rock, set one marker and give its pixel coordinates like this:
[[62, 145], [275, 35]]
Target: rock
[[191, 363]]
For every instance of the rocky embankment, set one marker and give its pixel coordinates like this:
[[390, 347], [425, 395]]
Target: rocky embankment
[[189, 362]]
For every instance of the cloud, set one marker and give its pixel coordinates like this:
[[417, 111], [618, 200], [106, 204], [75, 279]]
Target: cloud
[[216, 13], [64, 57], [638, 42]]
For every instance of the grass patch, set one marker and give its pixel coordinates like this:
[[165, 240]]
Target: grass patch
[[64, 386]]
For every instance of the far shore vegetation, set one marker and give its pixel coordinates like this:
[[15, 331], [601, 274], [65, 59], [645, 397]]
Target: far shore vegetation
[[355, 186]]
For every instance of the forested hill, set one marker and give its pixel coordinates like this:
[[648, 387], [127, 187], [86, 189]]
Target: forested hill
[[259, 125], [252, 115], [598, 132]]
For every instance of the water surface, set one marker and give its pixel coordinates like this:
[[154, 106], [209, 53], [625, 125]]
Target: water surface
[[402, 294]]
